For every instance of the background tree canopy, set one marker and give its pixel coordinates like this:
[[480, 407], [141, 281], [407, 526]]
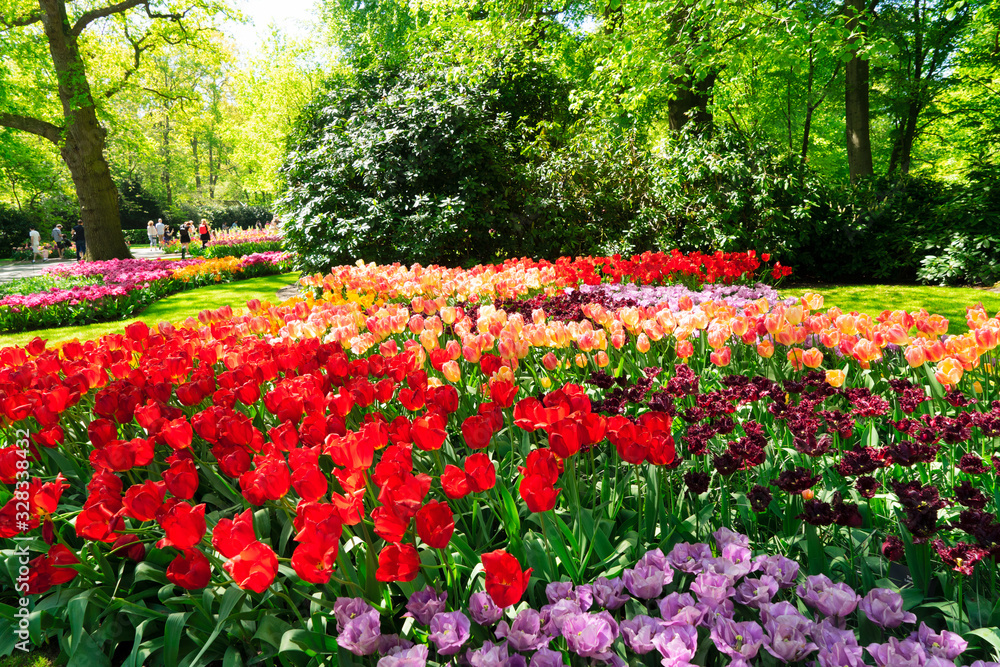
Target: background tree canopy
[[854, 140]]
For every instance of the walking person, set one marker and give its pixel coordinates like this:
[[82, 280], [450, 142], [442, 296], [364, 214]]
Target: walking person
[[57, 237], [80, 240], [36, 242], [160, 230], [204, 232], [151, 233], [185, 237]]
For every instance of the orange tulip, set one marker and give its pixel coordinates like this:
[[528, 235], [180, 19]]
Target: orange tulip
[[642, 343], [948, 371], [765, 349], [915, 356], [684, 349], [602, 359], [835, 378], [812, 358], [451, 371], [721, 357]]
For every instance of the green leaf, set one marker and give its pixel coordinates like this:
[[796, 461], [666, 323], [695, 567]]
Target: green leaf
[[233, 596], [172, 635], [991, 635], [88, 654]]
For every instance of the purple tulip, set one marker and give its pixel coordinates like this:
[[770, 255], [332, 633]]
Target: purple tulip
[[483, 610], [554, 615], [639, 632], [516, 660], [788, 643], [935, 661], [545, 657], [449, 630], [644, 581], [558, 590], [738, 639], [674, 602], [488, 655], [347, 609], [525, 633], [726, 567], [884, 608], [590, 635], [688, 557], [841, 655], [945, 645], [895, 653], [608, 593], [424, 604], [712, 589], [677, 644], [724, 537], [753, 592], [391, 644], [362, 634], [981, 663], [583, 595], [739, 555], [826, 634], [828, 598], [784, 570], [415, 656]]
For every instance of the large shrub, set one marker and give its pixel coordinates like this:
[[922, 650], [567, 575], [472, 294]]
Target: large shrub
[[421, 165]]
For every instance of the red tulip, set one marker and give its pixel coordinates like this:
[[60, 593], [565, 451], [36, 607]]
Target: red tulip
[[181, 478], [51, 569], [231, 536], [190, 569], [455, 482], [428, 431], [129, 546], [184, 526], [544, 463], [177, 433], [538, 493], [314, 561], [505, 581], [435, 524], [480, 473], [566, 437], [142, 501], [503, 393], [310, 482], [389, 525], [254, 567], [398, 562], [477, 431]]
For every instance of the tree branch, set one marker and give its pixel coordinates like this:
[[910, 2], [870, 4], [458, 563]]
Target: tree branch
[[89, 17], [32, 125], [35, 17], [138, 48]]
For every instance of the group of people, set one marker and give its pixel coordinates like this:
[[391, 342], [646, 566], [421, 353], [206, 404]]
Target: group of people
[[160, 235], [60, 240]]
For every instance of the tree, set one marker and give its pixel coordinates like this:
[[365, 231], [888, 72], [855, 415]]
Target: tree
[[74, 127]]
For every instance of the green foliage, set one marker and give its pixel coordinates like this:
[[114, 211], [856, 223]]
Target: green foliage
[[137, 206], [14, 228], [238, 249], [423, 165]]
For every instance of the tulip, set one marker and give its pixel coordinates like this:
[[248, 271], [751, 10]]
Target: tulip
[[812, 358], [765, 349], [948, 372], [684, 349], [835, 377], [721, 357]]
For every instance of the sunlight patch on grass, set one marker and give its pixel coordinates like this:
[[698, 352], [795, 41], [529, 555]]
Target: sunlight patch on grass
[[873, 299], [174, 308]]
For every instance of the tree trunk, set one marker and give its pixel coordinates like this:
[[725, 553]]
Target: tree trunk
[[691, 103], [857, 109], [83, 140], [807, 121], [197, 169], [902, 149]]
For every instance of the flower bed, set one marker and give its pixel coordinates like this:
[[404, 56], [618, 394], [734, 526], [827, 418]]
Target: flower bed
[[125, 287], [423, 465]]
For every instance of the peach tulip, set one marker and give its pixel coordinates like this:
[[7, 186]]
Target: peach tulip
[[835, 377], [721, 357]]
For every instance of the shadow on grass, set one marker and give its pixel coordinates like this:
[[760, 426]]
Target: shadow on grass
[[174, 308], [873, 299]]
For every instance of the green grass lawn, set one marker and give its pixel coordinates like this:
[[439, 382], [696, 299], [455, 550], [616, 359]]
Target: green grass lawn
[[873, 299], [174, 308]]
